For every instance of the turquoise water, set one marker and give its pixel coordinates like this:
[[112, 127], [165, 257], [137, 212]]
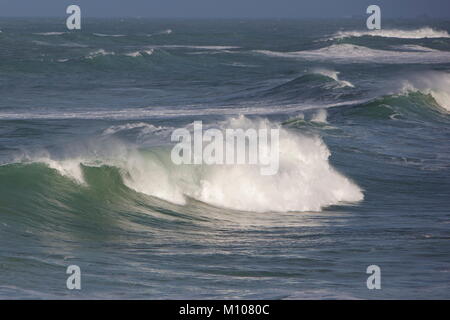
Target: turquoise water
[[86, 177]]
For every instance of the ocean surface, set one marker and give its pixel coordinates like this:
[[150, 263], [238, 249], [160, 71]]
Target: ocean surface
[[86, 177]]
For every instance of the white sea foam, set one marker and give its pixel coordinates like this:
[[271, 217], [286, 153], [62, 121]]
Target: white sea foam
[[305, 181], [145, 128], [149, 50], [421, 33], [141, 53], [53, 33], [350, 53], [414, 47], [168, 112], [99, 52], [320, 116], [69, 167]]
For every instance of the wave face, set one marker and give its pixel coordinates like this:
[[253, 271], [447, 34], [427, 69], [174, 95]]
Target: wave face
[[86, 176]]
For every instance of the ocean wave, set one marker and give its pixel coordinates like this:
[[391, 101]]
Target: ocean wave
[[52, 33], [140, 53], [332, 74], [109, 35], [179, 46], [101, 53], [320, 116], [98, 53], [144, 128], [305, 181], [157, 112], [436, 84], [317, 84], [423, 97], [166, 31], [414, 47], [349, 53], [73, 45], [420, 33]]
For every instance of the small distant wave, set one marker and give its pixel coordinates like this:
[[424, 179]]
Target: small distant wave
[[99, 52], [413, 47], [350, 53], [332, 75], [41, 43], [65, 44], [167, 31], [73, 45], [109, 35], [53, 33], [421, 33], [175, 46], [241, 65], [134, 54], [164, 113], [149, 50], [145, 128], [140, 53]]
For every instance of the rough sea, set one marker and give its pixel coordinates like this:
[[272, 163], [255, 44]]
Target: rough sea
[[86, 176]]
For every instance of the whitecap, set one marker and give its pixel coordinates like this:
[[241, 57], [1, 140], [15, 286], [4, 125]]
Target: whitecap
[[425, 32]]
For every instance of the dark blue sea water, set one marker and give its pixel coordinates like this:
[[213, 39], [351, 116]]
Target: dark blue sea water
[[86, 177]]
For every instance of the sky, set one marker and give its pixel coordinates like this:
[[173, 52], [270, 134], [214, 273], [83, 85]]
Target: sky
[[225, 8]]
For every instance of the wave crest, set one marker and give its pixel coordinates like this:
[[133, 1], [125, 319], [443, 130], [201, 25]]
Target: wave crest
[[420, 33], [350, 53], [435, 84]]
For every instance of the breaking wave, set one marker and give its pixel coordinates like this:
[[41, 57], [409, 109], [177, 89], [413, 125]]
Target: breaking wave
[[436, 84], [350, 53], [305, 181], [333, 75], [421, 33]]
